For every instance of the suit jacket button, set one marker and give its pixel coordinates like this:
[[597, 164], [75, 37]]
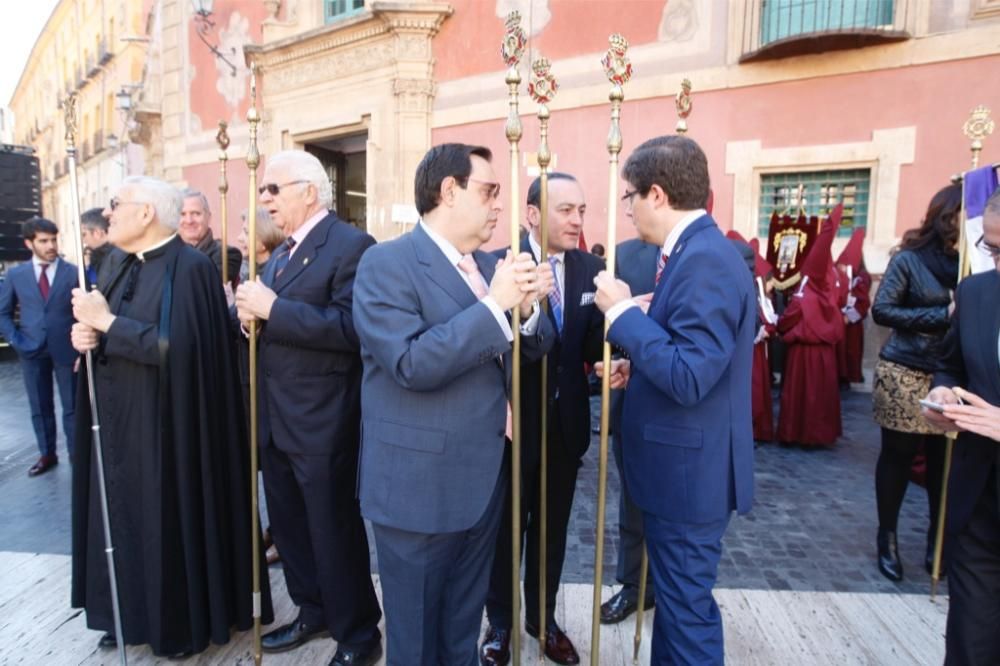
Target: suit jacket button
[[501, 433], [267, 373]]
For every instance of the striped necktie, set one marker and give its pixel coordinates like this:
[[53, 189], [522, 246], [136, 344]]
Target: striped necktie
[[282, 259], [555, 297], [661, 263]]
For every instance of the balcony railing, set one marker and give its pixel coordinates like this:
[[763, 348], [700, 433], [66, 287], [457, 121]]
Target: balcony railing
[[104, 55], [98, 142], [783, 28]]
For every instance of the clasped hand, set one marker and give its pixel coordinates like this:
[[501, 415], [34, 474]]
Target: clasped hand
[[519, 281], [254, 301], [93, 316]]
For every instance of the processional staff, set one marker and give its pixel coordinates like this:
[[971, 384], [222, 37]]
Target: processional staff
[[976, 128], [511, 49], [618, 70], [253, 161], [69, 110], [222, 138], [683, 105], [542, 88]]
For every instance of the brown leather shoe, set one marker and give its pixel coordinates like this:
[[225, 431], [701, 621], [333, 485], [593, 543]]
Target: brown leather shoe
[[558, 647], [44, 464], [495, 650]]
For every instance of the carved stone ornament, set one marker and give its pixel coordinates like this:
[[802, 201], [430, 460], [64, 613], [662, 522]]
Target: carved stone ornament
[[543, 85], [979, 125], [617, 66], [514, 40], [683, 100]]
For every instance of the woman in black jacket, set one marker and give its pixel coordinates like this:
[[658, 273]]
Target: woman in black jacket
[[915, 301]]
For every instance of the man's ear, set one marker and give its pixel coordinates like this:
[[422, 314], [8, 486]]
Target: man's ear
[[27, 244], [447, 191], [657, 197], [534, 216]]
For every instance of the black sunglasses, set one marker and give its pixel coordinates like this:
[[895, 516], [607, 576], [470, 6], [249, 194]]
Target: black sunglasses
[[273, 189]]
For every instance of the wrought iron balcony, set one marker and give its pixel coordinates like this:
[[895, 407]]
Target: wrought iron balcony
[[782, 28]]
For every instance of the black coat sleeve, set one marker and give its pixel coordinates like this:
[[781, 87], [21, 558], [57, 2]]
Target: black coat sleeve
[[893, 308]]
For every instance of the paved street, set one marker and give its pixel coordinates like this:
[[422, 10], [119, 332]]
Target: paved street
[[812, 528]]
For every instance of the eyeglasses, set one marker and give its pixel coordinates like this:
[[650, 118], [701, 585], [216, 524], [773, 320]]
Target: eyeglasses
[[494, 190], [627, 198], [988, 248], [273, 189], [115, 202]]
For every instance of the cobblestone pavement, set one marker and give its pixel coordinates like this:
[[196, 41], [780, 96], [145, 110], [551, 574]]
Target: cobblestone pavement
[[812, 528]]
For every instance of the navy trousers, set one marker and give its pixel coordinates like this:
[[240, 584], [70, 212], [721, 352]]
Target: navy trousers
[[38, 382], [684, 564]]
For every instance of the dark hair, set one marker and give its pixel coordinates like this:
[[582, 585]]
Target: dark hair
[[447, 160], [535, 189], [94, 219], [38, 225], [597, 249], [940, 224], [677, 164]]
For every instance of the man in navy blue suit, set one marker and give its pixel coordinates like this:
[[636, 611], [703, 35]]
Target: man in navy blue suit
[[42, 288], [580, 332], [687, 436], [310, 411]]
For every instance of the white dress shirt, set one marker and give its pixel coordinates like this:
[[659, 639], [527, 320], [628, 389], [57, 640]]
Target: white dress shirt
[[50, 270], [300, 234]]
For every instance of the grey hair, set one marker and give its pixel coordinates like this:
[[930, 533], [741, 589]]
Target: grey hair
[[165, 199], [305, 166], [993, 203], [190, 193]]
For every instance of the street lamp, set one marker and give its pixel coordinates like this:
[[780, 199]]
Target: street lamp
[[204, 25]]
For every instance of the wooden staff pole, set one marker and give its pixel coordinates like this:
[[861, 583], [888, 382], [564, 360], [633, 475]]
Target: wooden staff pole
[[511, 49], [976, 128], [542, 88], [222, 138], [253, 161], [618, 70], [683, 105]]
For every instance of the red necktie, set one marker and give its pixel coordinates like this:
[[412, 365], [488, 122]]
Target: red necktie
[[661, 263], [43, 282]]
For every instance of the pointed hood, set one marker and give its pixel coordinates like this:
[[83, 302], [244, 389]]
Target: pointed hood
[[818, 265], [762, 267], [852, 255]]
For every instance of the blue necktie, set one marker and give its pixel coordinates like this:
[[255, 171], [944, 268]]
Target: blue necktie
[[555, 298]]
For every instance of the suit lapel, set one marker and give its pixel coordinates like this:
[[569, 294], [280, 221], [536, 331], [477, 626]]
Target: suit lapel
[[305, 253], [440, 271], [674, 260], [30, 285]]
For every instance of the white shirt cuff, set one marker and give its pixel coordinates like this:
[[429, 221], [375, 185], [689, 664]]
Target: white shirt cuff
[[530, 327], [499, 315], [618, 308]]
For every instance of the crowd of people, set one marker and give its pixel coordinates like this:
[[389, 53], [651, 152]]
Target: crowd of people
[[384, 376]]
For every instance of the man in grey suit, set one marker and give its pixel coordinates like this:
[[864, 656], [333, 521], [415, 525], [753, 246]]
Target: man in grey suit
[[431, 312]]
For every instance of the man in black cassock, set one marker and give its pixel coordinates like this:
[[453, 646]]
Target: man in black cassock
[[174, 440]]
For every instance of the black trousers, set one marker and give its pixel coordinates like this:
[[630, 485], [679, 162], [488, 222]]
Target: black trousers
[[316, 524], [974, 586], [562, 466]]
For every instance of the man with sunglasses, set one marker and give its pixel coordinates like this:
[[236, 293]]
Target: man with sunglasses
[[431, 310], [310, 411], [970, 363], [173, 440]]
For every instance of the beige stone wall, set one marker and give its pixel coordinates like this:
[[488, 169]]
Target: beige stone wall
[[372, 72]]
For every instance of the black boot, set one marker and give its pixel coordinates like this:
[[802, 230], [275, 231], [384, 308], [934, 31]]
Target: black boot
[[888, 556]]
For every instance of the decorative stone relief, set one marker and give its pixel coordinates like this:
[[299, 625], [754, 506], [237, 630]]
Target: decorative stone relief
[[331, 66], [679, 21], [233, 88]]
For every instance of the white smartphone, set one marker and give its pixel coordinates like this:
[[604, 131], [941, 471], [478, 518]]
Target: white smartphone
[[933, 406]]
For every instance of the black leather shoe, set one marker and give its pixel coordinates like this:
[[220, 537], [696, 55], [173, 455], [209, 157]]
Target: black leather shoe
[[495, 650], [620, 606], [888, 556], [44, 464], [107, 641], [291, 636], [558, 647], [358, 657]]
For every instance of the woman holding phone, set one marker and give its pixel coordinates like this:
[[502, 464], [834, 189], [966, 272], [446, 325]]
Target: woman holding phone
[[915, 301]]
